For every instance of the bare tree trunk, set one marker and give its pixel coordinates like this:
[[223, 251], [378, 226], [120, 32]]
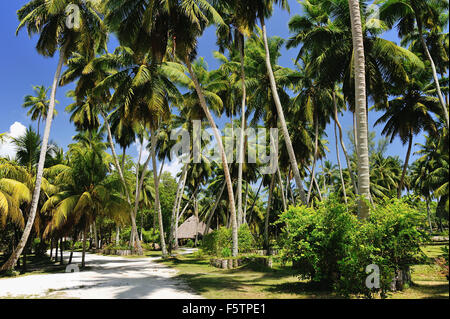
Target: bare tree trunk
[[211, 214], [360, 109], [174, 209], [429, 214], [157, 202], [339, 163], [94, 230], [174, 233], [280, 112], [244, 218], [241, 150], [405, 166], [316, 146], [61, 251], [117, 235], [40, 169], [83, 255], [269, 205], [127, 193], [433, 68], [280, 182], [341, 139], [223, 155]]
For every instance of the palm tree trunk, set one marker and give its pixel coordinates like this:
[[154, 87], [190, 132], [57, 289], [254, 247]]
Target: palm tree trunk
[[174, 209], [122, 165], [360, 109], [37, 190], [83, 255], [256, 196], [280, 182], [339, 164], [157, 202], [243, 125], [266, 221], [341, 139], [433, 68], [139, 184], [61, 248], [94, 230], [429, 214], [316, 147], [119, 170], [223, 155], [244, 217], [405, 166], [175, 235], [117, 235], [211, 214], [280, 112]]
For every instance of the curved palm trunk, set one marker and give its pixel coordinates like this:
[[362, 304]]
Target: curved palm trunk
[[224, 159], [119, 170], [339, 163], [405, 166], [286, 135], [37, 190], [157, 202], [269, 205], [360, 109], [241, 143], [347, 158], [211, 214], [256, 196], [433, 68]]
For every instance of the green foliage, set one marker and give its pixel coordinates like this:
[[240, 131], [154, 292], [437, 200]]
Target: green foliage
[[215, 242], [150, 236], [330, 246]]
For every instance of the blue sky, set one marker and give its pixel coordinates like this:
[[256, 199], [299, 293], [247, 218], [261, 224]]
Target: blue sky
[[21, 68]]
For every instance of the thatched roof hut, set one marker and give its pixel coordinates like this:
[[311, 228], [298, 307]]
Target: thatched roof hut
[[191, 227]]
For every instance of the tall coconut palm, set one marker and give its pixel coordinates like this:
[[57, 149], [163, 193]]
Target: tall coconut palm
[[360, 109], [421, 15], [263, 10], [408, 115], [48, 19], [38, 105]]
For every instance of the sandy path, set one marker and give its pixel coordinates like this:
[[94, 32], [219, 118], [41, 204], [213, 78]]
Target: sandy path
[[107, 278]]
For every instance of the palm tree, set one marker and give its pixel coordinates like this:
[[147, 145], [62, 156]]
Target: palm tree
[[360, 108], [262, 10], [47, 18], [420, 15], [408, 115], [38, 104], [86, 191]]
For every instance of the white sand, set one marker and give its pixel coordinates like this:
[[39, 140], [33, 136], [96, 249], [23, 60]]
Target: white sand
[[107, 278]]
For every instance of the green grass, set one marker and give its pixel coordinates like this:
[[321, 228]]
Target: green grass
[[255, 281]]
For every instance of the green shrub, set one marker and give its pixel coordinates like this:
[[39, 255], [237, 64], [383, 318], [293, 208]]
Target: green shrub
[[225, 252], [150, 236], [331, 246], [190, 243], [215, 242]]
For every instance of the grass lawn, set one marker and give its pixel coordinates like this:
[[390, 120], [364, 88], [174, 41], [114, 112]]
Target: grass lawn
[[254, 281], [38, 265]]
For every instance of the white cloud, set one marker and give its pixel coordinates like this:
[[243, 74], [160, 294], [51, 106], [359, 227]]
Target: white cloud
[[145, 152], [7, 148], [173, 167]]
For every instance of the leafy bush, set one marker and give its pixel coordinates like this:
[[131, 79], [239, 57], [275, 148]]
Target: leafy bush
[[150, 236], [215, 242], [226, 252], [190, 243], [331, 246]]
